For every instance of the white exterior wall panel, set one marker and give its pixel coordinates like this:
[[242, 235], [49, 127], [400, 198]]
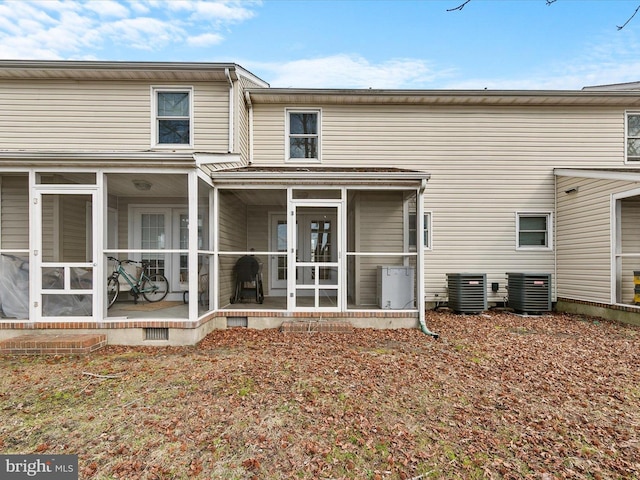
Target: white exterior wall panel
[[98, 116], [486, 164]]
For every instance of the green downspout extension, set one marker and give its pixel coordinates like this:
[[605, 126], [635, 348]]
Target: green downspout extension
[[424, 329]]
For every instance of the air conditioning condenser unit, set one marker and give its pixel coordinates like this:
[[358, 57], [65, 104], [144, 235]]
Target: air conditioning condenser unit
[[529, 292], [467, 292]]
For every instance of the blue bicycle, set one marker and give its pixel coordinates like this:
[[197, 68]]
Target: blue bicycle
[[152, 287]]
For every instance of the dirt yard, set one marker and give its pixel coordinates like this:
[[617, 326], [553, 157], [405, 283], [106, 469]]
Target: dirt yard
[[496, 396]]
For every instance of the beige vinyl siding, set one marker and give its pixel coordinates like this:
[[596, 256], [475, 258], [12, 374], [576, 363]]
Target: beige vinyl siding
[[14, 211], [99, 116], [584, 239], [486, 164]]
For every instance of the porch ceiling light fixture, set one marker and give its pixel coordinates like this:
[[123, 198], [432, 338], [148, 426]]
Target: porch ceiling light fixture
[[141, 185]]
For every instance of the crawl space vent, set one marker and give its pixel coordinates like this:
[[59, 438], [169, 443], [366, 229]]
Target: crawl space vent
[[237, 322], [156, 334]]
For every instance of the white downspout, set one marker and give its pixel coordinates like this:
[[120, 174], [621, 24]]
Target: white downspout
[[420, 262], [231, 110], [248, 99]]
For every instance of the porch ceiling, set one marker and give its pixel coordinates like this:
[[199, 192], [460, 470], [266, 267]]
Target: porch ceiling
[[165, 185]]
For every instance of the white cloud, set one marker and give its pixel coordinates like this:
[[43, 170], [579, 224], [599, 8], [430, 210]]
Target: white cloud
[[351, 71], [605, 61], [51, 29], [224, 11], [218, 11], [107, 8], [204, 40], [143, 33]]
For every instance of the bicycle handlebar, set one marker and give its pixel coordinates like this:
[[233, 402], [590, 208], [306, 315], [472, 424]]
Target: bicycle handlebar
[[123, 261]]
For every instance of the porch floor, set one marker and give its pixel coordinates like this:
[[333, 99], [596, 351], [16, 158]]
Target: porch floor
[[178, 309], [60, 344]]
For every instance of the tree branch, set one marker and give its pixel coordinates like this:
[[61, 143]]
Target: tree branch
[[549, 2], [620, 27], [459, 7]]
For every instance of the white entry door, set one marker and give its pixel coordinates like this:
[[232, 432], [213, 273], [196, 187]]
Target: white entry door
[[65, 254], [152, 231]]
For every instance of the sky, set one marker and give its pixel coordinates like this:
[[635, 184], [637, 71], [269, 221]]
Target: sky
[[393, 44]]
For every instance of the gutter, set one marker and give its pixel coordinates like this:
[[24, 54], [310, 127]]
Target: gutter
[[247, 97]]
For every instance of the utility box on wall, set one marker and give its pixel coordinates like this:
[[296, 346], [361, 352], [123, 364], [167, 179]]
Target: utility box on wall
[[396, 287]]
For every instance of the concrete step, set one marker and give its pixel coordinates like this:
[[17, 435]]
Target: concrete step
[[53, 344]]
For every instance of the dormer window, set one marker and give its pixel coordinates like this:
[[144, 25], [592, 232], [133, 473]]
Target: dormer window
[[303, 136], [173, 117]]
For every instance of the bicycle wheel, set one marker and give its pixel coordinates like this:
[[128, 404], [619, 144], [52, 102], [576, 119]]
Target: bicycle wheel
[[155, 288], [113, 288]]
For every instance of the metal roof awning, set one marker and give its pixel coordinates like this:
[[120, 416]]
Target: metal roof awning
[[119, 70], [320, 176], [570, 98], [628, 174]]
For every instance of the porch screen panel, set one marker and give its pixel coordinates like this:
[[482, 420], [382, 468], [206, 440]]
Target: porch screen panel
[[153, 238], [321, 245], [67, 255], [14, 212], [66, 228], [14, 242], [378, 222], [281, 240]]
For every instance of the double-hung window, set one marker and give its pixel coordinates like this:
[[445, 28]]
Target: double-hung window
[[173, 117], [413, 231], [303, 135], [633, 136], [533, 231]]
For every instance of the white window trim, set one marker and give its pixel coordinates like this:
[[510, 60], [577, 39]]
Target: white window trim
[[287, 153], [626, 136], [535, 213], [154, 117]]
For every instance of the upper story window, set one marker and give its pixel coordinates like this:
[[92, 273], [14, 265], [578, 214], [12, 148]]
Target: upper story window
[[303, 136], [633, 136], [173, 117], [533, 231]]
